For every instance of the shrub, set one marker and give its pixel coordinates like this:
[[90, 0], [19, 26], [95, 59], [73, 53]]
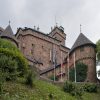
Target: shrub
[[11, 60], [69, 87], [8, 45], [78, 92], [9, 67], [50, 96], [90, 87], [2, 80], [30, 78], [72, 75], [18, 57], [98, 49], [73, 89], [52, 78]]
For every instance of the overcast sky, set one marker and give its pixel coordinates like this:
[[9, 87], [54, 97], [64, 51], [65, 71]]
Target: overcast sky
[[69, 13]]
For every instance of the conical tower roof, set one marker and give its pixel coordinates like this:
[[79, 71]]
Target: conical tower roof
[[8, 33], [81, 41], [8, 30]]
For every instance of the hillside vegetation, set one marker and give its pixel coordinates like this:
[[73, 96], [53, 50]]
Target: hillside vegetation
[[40, 91]]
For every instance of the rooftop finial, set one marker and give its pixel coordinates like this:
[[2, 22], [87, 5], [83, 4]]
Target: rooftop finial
[[38, 28], [51, 28], [34, 27], [80, 28], [9, 22], [56, 24]]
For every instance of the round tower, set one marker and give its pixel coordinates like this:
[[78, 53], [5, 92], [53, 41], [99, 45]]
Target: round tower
[[84, 51]]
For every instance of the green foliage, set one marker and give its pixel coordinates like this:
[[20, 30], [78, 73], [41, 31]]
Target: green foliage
[[2, 81], [69, 87], [98, 49], [8, 45], [41, 91], [78, 92], [72, 74], [22, 63], [73, 89], [30, 78], [90, 87], [81, 72], [12, 58], [51, 96], [8, 66], [98, 73], [52, 78], [12, 63]]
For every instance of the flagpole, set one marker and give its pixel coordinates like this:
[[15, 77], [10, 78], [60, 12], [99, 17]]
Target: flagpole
[[54, 62], [68, 66], [61, 65], [75, 67]]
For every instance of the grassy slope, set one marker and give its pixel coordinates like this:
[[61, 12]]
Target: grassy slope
[[91, 96], [41, 91]]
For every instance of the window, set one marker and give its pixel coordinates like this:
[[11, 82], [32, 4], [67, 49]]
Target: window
[[32, 50], [81, 49], [23, 47], [50, 54], [33, 45]]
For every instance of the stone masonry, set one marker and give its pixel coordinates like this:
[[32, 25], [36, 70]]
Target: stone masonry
[[45, 50]]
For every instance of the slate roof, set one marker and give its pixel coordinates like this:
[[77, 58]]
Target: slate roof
[[8, 30], [49, 69], [33, 60], [81, 41], [8, 33]]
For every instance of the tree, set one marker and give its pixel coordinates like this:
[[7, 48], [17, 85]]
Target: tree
[[98, 49], [8, 66], [12, 61], [81, 72], [98, 73]]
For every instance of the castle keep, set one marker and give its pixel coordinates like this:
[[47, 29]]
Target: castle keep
[[48, 51]]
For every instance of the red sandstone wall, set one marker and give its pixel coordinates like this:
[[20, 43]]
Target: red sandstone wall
[[41, 50], [88, 57]]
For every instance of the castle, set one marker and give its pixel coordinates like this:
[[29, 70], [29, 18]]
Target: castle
[[49, 53]]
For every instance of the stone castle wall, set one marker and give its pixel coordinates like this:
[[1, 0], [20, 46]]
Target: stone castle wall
[[41, 48], [85, 54]]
